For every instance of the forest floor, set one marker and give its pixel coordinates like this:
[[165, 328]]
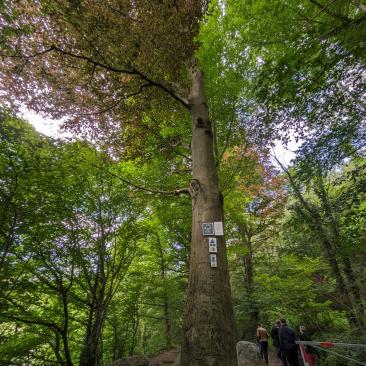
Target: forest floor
[[168, 358], [273, 359]]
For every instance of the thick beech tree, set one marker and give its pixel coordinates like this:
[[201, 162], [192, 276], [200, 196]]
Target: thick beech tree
[[104, 66]]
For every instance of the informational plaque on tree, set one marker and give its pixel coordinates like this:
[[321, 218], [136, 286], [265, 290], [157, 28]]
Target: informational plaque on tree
[[213, 260], [208, 228], [212, 245], [219, 228]]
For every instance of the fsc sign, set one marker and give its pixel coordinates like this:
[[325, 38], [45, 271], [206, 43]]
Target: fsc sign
[[213, 228]]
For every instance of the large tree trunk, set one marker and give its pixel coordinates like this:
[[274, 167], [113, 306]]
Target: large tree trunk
[[209, 330], [90, 354]]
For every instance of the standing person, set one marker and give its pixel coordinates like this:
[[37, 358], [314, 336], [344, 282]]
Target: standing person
[[262, 337], [276, 342], [288, 343], [309, 354]]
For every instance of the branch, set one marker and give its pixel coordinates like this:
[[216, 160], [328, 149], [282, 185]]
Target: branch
[[38, 322], [294, 186], [178, 191], [50, 49], [124, 15], [173, 146], [226, 141], [324, 8], [342, 28], [170, 193], [115, 104], [169, 91], [131, 71], [84, 37], [96, 63]]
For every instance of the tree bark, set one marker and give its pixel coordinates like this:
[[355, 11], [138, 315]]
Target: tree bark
[[65, 329], [91, 351], [209, 330]]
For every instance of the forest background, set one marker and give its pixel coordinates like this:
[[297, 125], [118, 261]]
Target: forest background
[[95, 242]]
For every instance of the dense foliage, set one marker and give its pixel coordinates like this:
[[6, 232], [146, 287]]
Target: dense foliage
[[75, 238], [94, 237]]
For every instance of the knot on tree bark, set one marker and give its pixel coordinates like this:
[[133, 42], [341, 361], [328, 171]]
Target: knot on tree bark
[[195, 187], [200, 123]]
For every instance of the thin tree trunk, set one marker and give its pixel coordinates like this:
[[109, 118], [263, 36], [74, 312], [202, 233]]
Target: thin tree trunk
[[357, 303], [115, 341], [168, 327], [356, 291], [135, 329], [313, 218], [66, 326], [209, 329], [90, 354], [56, 349], [247, 260]]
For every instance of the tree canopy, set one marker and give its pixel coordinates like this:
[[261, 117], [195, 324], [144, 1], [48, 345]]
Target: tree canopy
[[175, 109]]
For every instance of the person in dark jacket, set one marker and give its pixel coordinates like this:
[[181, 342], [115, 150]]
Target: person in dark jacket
[[287, 338], [276, 342], [308, 353]]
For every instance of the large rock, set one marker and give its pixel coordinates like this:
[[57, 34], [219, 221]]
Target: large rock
[[131, 361], [170, 357], [248, 354]]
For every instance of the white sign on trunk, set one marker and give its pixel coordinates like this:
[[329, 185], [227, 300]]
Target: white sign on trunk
[[213, 260], [219, 228], [212, 245]]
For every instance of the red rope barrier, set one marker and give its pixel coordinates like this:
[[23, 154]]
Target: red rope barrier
[[326, 344]]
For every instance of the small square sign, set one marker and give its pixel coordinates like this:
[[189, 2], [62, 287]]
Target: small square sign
[[213, 259], [208, 228], [212, 245]]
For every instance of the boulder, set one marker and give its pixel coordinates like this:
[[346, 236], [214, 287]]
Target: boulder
[[170, 357], [248, 354], [131, 361], [177, 360]]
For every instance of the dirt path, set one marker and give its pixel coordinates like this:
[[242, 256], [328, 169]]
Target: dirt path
[[273, 359]]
